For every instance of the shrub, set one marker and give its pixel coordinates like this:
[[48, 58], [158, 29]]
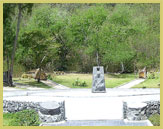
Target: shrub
[[79, 83], [25, 118], [151, 75], [155, 119], [84, 84], [49, 77], [76, 83]]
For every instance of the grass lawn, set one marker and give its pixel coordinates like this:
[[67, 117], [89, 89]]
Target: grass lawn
[[150, 83], [111, 80], [7, 119], [31, 82]]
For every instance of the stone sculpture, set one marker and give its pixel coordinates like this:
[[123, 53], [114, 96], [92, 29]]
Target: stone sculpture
[[98, 85]]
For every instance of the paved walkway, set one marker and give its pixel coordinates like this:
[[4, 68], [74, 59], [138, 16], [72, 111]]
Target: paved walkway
[[81, 104], [131, 84], [84, 108], [54, 84], [99, 123]]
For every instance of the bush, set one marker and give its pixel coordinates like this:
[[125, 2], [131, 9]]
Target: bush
[[155, 119], [25, 118], [49, 77], [79, 83], [151, 75]]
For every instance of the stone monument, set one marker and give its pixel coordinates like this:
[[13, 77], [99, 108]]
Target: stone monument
[[98, 85]]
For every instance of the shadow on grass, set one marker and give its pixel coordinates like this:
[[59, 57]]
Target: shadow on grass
[[37, 84], [30, 82]]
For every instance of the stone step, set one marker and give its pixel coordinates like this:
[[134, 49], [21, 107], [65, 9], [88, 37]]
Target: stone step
[[93, 109], [99, 123]]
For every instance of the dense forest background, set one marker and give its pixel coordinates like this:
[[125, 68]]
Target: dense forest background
[[66, 37]]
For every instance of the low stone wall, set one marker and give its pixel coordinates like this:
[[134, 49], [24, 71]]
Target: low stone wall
[[15, 106], [140, 111]]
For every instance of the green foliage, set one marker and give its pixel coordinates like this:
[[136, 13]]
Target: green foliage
[[22, 118], [155, 119], [79, 83], [70, 35], [49, 77], [35, 46], [153, 75]]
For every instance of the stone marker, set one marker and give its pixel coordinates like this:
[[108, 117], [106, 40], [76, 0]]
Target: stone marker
[[98, 85]]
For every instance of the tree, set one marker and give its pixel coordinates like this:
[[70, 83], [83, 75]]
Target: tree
[[124, 37], [82, 33], [39, 48], [21, 9]]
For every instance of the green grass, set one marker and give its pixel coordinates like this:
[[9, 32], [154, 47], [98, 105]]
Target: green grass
[[150, 83], [21, 118], [7, 118], [155, 119], [111, 80], [31, 82]]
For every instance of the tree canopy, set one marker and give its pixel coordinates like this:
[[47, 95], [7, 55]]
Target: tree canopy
[[69, 36]]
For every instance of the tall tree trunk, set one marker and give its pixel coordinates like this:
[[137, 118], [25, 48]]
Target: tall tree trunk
[[97, 58], [8, 71], [122, 67], [38, 80], [16, 40]]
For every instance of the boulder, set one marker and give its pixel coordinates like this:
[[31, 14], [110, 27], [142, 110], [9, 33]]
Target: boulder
[[136, 111]]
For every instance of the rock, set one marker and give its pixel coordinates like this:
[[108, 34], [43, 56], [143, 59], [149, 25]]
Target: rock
[[135, 111], [140, 111]]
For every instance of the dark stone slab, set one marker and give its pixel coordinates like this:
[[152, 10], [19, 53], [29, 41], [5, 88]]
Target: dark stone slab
[[98, 85]]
